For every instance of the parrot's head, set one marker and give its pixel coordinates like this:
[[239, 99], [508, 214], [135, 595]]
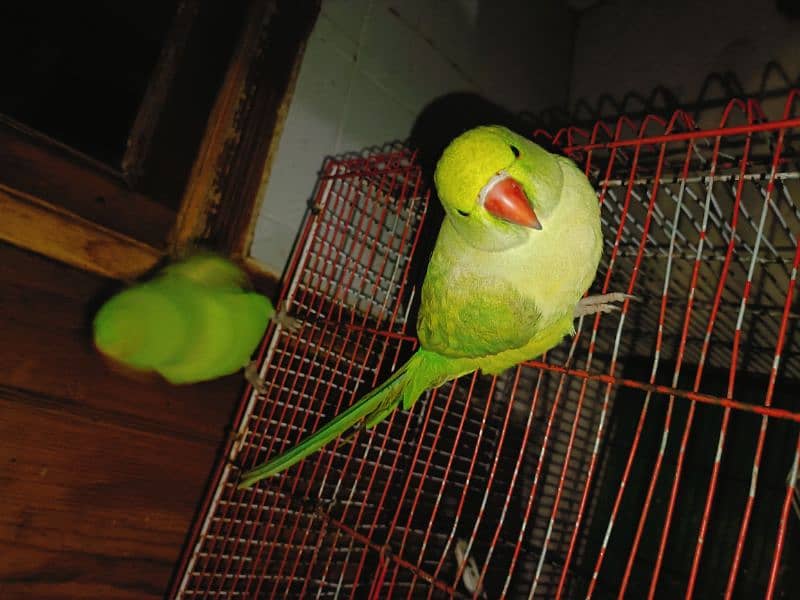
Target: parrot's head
[[497, 187]]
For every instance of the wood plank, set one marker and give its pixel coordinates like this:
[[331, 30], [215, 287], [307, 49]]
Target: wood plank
[[158, 90], [263, 280], [35, 165], [100, 475], [57, 233], [221, 199], [80, 491], [280, 59], [200, 195], [206, 50]]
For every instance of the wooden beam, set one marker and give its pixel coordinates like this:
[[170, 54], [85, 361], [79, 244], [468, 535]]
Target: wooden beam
[[280, 61], [36, 165], [264, 281], [65, 205], [202, 193], [33, 224], [221, 201], [158, 90]]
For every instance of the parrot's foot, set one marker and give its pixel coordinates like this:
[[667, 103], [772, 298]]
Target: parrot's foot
[[600, 304], [253, 378], [286, 321]]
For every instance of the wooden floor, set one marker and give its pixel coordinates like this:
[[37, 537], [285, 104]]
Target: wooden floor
[[100, 475]]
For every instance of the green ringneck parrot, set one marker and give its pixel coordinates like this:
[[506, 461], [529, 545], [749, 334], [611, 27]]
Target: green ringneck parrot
[[518, 248], [193, 321]]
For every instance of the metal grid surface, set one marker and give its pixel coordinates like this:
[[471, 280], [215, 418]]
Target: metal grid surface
[[653, 455]]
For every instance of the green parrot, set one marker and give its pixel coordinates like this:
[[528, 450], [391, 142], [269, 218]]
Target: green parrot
[[193, 321], [518, 248]]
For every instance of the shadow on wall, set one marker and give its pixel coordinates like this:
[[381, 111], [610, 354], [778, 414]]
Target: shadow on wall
[[452, 114], [715, 93]]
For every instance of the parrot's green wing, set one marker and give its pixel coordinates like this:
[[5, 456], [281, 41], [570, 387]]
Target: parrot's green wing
[[208, 269], [468, 315], [232, 326], [192, 322], [143, 326]]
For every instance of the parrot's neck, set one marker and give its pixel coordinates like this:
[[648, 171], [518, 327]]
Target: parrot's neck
[[539, 268], [488, 237]]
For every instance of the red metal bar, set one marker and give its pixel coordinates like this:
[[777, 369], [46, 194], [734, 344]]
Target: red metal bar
[[691, 135], [372, 341], [701, 535], [489, 484], [681, 350], [512, 484], [392, 320], [666, 390], [400, 562], [782, 523], [468, 479], [284, 478], [434, 442], [771, 386], [285, 363], [523, 528], [645, 405], [345, 286], [403, 495], [642, 244]]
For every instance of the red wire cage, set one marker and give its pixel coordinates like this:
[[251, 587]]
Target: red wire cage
[[653, 455]]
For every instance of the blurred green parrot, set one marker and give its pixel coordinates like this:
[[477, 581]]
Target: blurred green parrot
[[518, 248], [193, 321]]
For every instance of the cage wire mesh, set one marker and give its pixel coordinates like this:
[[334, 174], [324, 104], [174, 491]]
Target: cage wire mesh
[[652, 455]]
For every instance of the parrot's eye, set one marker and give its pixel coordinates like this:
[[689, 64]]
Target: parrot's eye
[[462, 213], [515, 150]]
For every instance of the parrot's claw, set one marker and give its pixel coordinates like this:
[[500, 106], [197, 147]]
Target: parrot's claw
[[285, 320], [253, 378], [602, 303]]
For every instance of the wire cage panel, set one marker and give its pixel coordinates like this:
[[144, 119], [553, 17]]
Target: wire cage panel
[[652, 455]]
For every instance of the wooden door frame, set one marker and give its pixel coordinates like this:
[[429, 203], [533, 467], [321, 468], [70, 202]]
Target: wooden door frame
[[60, 203]]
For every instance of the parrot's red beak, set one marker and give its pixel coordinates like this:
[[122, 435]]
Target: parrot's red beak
[[505, 199]]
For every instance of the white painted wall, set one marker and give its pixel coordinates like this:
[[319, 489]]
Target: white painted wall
[[370, 68]]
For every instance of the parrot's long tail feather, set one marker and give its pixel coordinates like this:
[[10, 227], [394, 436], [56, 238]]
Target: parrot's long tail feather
[[381, 400]]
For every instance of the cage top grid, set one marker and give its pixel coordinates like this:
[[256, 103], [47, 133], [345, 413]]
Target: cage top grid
[[526, 485]]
